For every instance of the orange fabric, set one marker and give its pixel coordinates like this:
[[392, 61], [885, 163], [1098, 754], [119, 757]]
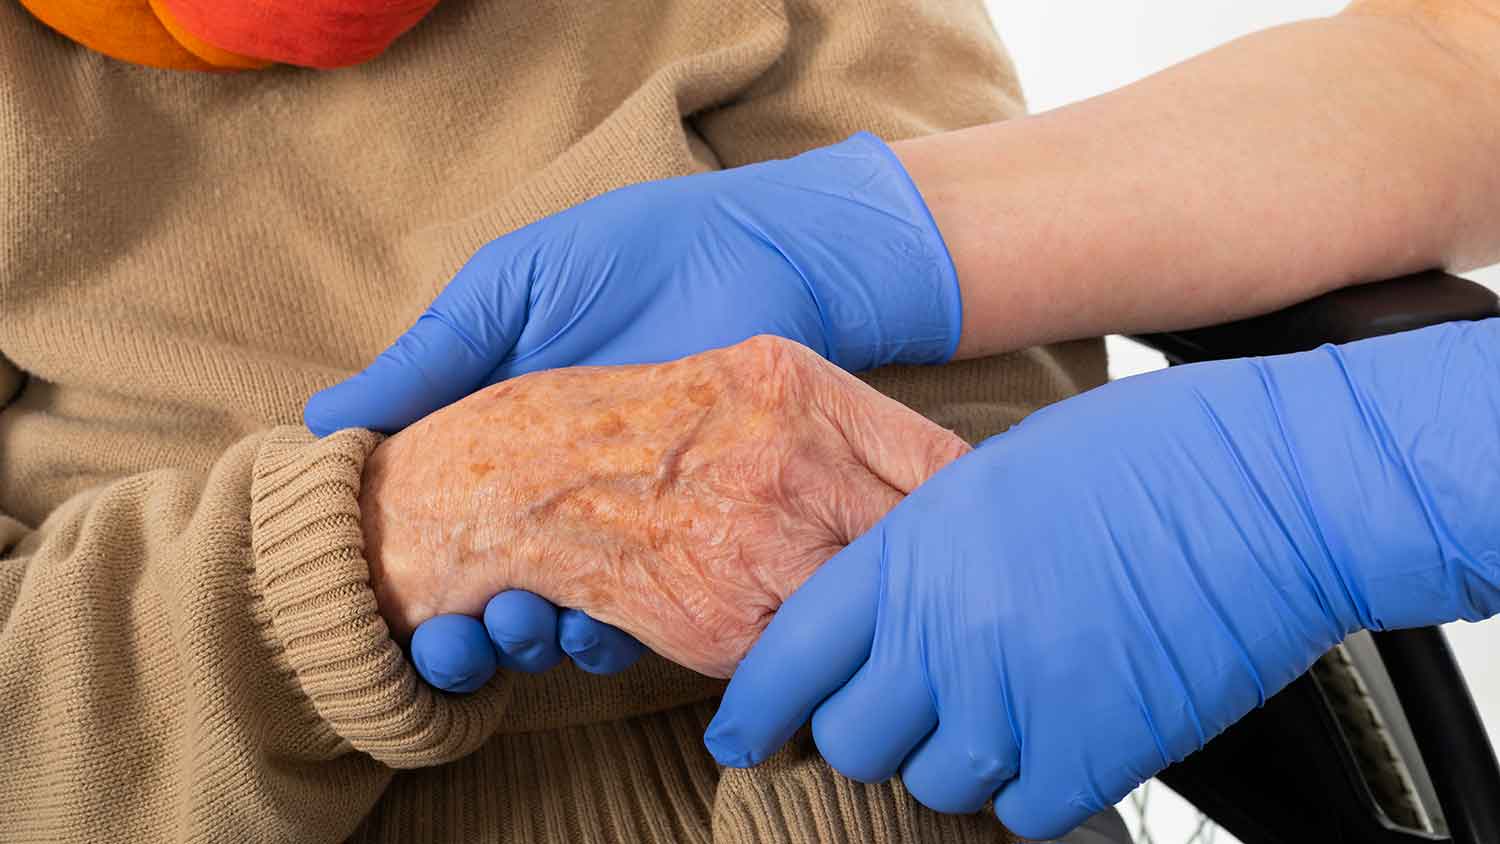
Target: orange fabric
[[229, 35], [310, 33], [122, 29], [202, 49]]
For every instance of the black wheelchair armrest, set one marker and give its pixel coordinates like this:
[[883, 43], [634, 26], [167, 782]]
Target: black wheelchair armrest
[[1353, 313], [1273, 778]]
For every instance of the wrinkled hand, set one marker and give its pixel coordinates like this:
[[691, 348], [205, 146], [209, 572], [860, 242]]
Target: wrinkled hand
[[1096, 593], [834, 249], [681, 502]]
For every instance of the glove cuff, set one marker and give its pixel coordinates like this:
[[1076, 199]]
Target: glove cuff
[[885, 284]]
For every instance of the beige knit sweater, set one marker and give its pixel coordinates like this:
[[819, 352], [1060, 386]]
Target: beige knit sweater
[[189, 650]]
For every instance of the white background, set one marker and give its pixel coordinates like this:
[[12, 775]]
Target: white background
[[1068, 50]]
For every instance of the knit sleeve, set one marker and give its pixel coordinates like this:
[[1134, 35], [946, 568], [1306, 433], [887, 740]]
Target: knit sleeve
[[11, 530], [199, 657], [897, 68]]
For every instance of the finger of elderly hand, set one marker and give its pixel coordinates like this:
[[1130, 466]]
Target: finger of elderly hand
[[900, 446], [853, 500], [681, 502]]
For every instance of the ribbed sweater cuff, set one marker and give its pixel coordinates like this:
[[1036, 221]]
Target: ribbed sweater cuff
[[796, 796], [312, 576]]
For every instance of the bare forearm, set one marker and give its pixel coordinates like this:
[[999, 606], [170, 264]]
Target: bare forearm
[[1277, 167]]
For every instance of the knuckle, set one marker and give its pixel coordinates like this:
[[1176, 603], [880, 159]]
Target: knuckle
[[768, 349], [774, 362], [948, 447], [987, 767]]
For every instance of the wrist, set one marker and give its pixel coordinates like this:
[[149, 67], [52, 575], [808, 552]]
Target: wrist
[[331, 648], [393, 597]]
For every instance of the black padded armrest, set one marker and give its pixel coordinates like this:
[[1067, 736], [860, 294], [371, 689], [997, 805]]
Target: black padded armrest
[[1353, 313]]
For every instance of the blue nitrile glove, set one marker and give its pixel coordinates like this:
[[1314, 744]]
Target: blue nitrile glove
[[834, 249], [521, 632], [1095, 594]]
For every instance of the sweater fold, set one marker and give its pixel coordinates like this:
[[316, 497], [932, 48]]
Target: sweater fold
[[189, 648]]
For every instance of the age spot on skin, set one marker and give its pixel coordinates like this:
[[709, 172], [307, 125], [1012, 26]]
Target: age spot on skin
[[702, 394], [610, 426], [680, 502], [585, 506]]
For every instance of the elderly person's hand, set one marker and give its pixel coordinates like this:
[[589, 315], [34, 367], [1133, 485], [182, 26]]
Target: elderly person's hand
[[834, 249], [682, 502]]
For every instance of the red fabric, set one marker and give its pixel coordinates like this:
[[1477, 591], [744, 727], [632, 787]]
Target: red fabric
[[310, 33]]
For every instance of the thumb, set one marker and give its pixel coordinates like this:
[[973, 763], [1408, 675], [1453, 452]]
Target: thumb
[[450, 352], [898, 445], [815, 642]]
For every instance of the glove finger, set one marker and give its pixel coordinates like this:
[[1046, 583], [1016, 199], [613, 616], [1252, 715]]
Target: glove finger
[[869, 726], [961, 765], [1031, 811], [449, 352], [1059, 786], [1047, 802], [428, 367], [523, 628], [453, 653], [813, 645], [594, 646]]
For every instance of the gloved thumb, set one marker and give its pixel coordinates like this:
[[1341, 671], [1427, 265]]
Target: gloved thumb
[[451, 351], [816, 641]]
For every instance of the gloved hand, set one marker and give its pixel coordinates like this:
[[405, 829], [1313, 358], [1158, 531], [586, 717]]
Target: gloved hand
[[521, 631], [1095, 594], [834, 249]]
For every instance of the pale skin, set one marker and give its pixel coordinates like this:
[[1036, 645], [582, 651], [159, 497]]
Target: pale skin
[[1277, 167]]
